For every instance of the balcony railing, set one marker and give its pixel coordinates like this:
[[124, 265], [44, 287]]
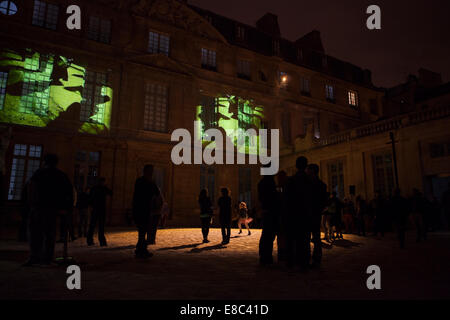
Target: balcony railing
[[395, 123]]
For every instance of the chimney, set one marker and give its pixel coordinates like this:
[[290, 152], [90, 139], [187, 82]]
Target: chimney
[[269, 24]]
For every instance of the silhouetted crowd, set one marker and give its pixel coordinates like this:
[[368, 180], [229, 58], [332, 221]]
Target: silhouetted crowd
[[294, 211]]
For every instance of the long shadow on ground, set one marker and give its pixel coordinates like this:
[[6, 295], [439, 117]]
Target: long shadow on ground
[[215, 247], [185, 246]]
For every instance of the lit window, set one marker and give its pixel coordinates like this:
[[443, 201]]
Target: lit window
[[329, 92], [155, 108], [304, 85], [36, 85], [26, 160], [8, 7], [99, 29], [240, 32], [3, 83], [93, 104], [208, 59], [353, 98], [283, 78], [243, 69], [158, 43], [45, 14]]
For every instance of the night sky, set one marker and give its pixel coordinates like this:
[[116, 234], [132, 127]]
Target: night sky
[[414, 34]]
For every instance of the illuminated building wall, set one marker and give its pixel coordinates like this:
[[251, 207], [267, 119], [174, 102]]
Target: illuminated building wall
[[229, 114], [36, 88]]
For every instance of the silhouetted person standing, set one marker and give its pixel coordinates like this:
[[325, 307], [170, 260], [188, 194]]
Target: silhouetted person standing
[[155, 217], [83, 206], [224, 204], [334, 208], [269, 199], [299, 195], [418, 208], [360, 216], [446, 205], [24, 213], [379, 212], [97, 197], [400, 210], [144, 191], [319, 202], [282, 216], [50, 192], [206, 213], [67, 227]]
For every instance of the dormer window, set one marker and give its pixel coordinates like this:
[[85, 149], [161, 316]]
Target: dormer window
[[324, 61], [208, 18], [276, 47], [240, 33], [299, 54]]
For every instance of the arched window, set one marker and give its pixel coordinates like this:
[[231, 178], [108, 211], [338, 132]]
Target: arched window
[[8, 7]]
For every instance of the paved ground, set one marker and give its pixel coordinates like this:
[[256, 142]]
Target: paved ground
[[183, 268]]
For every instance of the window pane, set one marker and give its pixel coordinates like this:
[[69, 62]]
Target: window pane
[[39, 13], [8, 7], [93, 29], [36, 85], [52, 16], [208, 58], [155, 108], [16, 180], [35, 151], [20, 150], [3, 82], [164, 44], [93, 105], [153, 42], [45, 14]]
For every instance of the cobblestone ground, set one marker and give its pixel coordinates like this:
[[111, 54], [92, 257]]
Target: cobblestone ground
[[183, 268]]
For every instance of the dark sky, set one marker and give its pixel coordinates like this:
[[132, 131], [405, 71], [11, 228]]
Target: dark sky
[[413, 34]]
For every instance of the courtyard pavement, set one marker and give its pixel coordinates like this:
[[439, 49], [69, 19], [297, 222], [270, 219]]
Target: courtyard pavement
[[184, 268]]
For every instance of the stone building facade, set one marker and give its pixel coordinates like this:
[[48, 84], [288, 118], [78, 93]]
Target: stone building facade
[[106, 98]]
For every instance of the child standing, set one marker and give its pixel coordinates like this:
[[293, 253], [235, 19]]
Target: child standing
[[243, 217]]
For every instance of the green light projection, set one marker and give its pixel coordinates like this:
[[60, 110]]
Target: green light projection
[[229, 114], [41, 88]]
